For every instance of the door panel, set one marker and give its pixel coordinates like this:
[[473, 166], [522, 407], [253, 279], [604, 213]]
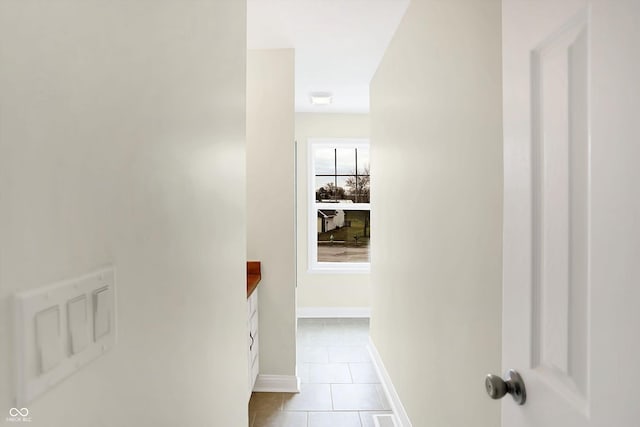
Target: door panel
[[571, 273], [560, 174]]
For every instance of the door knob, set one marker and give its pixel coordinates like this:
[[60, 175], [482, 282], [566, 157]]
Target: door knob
[[497, 388]]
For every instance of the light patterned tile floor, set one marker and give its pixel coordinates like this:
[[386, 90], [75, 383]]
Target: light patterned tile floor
[[340, 387]]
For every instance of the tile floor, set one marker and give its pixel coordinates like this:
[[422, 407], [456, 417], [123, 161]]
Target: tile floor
[[339, 388]]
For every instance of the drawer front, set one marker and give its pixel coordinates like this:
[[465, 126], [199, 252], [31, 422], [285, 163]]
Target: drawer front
[[252, 304], [254, 371], [253, 353], [253, 324]]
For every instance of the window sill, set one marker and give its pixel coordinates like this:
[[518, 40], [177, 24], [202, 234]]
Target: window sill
[[339, 269]]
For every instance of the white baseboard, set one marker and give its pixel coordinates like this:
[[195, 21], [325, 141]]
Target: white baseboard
[[400, 414], [330, 312], [384, 421], [277, 384]]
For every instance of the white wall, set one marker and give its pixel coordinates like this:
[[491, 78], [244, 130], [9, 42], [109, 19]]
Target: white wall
[[322, 289], [270, 202], [436, 259], [122, 141]]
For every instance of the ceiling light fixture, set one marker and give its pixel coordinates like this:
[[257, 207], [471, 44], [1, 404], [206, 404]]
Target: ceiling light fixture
[[321, 98]]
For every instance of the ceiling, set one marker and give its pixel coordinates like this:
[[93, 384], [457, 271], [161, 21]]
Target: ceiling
[[338, 44]]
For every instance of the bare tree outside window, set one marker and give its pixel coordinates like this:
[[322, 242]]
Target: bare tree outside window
[[358, 186]]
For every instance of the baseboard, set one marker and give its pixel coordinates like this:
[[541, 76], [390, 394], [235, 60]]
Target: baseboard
[[384, 421], [277, 384], [400, 414], [329, 312]]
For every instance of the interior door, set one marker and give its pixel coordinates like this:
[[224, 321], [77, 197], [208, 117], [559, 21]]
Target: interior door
[[571, 263]]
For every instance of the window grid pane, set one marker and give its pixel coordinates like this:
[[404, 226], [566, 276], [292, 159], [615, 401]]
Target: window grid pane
[[349, 178], [343, 235]]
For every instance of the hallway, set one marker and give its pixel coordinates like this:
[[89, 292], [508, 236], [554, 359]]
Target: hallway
[[485, 153], [340, 386]]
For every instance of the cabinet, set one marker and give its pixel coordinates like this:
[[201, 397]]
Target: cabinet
[[253, 338], [253, 278]]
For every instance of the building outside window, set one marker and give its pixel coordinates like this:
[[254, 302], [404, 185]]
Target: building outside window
[[339, 212]]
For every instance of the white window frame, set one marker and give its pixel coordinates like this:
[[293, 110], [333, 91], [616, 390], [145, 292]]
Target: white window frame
[[312, 209]]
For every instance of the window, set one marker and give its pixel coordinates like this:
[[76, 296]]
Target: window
[[339, 213]]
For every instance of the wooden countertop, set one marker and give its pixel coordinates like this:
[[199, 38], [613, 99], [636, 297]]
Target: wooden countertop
[[253, 276]]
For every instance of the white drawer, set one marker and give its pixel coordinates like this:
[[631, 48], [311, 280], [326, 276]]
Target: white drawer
[[255, 367], [253, 352], [250, 306], [253, 324]]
